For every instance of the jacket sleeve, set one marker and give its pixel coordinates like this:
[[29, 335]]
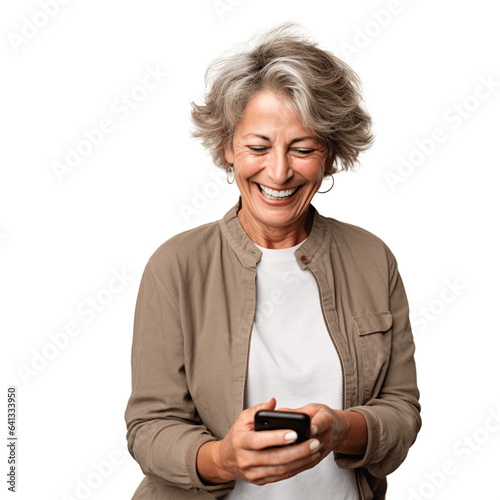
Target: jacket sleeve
[[164, 431], [393, 416]]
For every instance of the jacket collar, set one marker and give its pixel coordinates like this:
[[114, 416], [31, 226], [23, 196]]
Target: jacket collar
[[249, 254]]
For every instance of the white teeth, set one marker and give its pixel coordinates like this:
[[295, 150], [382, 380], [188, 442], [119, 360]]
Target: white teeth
[[277, 195]]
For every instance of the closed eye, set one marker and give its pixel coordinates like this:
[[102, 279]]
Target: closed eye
[[303, 152]]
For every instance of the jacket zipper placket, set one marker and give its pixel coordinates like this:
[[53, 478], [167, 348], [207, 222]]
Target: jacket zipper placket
[[248, 347], [246, 370], [358, 492]]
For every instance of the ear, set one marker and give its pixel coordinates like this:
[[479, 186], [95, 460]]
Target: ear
[[229, 154]]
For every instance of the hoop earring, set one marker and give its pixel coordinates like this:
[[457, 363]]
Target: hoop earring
[[230, 174], [333, 182]]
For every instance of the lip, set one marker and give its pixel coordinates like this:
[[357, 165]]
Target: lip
[[276, 203], [276, 189]]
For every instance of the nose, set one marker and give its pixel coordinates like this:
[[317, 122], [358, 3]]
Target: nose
[[278, 167]]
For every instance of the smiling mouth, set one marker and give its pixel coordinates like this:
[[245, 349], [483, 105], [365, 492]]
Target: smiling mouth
[[273, 194]]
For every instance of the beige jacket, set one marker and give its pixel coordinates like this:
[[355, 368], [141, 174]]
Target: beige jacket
[[193, 319]]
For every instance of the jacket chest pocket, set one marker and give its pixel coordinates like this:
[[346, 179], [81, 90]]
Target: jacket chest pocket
[[375, 338]]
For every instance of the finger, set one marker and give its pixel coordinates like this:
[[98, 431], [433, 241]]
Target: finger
[[270, 404], [249, 414], [260, 440], [321, 422], [311, 410], [288, 454], [297, 467], [276, 461], [272, 473], [295, 410]]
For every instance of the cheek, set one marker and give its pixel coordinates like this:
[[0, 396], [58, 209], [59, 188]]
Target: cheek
[[312, 170], [249, 165]]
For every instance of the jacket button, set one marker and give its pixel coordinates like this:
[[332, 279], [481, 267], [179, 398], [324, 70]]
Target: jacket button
[[304, 259]]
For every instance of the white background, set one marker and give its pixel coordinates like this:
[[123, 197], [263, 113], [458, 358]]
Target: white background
[[62, 238]]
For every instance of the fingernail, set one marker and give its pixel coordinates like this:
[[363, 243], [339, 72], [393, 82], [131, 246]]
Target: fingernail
[[314, 445], [291, 436], [314, 429], [314, 457]]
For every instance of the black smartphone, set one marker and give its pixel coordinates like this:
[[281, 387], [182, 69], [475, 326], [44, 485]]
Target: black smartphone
[[269, 420]]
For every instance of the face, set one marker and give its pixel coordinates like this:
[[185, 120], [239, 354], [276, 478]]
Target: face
[[278, 163]]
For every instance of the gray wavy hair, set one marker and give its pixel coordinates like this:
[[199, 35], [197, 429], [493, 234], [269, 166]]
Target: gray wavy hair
[[324, 91]]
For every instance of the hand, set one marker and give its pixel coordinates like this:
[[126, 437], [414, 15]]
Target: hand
[[242, 454], [337, 430], [326, 426]]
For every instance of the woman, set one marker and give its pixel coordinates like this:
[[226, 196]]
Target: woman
[[274, 303]]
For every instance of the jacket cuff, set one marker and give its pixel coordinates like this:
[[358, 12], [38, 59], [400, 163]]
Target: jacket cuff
[[345, 461], [216, 490]]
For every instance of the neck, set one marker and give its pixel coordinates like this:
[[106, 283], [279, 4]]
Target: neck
[[277, 237]]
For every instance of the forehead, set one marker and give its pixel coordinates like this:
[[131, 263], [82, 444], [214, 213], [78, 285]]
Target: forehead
[[267, 109]]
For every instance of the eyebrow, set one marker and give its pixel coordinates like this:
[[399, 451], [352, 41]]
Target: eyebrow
[[298, 139]]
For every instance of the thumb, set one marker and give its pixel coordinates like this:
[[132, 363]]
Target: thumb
[[270, 404], [247, 416]]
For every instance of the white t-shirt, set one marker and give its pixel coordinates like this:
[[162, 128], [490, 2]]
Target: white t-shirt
[[293, 359]]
